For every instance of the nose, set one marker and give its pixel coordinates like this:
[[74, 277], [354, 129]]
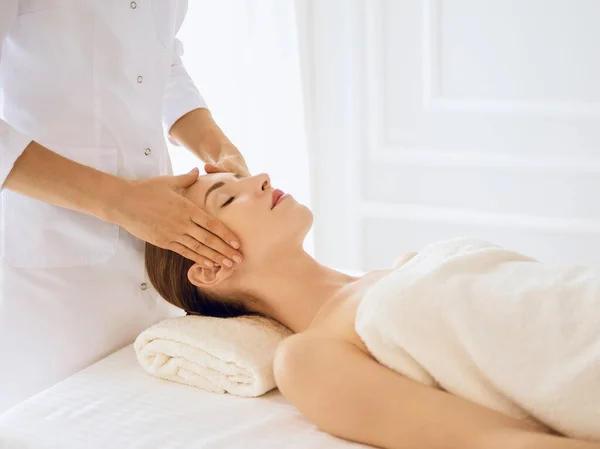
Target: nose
[[264, 181]]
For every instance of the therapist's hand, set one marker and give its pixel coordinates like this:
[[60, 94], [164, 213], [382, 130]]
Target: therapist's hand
[[231, 163], [155, 210]]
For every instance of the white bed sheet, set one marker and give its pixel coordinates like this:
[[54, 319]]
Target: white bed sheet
[[115, 404]]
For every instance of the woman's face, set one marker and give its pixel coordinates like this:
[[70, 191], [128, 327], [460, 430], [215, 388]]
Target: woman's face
[[245, 205]]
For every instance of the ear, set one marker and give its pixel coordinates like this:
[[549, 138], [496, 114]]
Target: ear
[[204, 277]]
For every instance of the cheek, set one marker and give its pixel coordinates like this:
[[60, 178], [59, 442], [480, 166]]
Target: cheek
[[245, 221], [258, 228]]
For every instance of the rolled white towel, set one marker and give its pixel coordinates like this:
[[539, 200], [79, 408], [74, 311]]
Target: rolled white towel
[[222, 355]]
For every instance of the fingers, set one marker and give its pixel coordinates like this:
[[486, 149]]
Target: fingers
[[231, 165], [217, 228], [203, 237], [189, 254], [212, 168], [206, 252], [187, 179]]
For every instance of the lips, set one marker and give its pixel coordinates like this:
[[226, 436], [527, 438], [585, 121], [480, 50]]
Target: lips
[[276, 195]]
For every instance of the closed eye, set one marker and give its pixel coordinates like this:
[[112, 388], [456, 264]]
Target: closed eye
[[229, 201]]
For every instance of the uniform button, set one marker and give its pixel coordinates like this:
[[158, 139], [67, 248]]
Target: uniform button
[[147, 151], [133, 5], [144, 286], [140, 79]]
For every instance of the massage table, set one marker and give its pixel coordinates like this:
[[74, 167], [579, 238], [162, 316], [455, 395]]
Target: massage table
[[115, 404]]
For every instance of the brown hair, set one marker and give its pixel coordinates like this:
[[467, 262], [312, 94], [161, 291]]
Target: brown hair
[[167, 271]]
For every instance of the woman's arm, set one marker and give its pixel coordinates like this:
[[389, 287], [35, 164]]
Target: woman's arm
[[346, 393]]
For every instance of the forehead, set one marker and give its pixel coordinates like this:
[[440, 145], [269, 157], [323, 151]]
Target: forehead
[[199, 188]]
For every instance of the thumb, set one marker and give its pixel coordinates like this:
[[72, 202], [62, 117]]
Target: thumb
[[212, 168], [187, 179]]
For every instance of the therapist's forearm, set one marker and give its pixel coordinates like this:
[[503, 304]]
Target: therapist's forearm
[[199, 133], [49, 177]]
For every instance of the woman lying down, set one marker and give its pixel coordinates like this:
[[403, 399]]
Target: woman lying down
[[462, 345]]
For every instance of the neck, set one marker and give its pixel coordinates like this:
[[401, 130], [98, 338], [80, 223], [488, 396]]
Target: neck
[[293, 290]]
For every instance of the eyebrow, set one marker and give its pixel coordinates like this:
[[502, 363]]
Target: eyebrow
[[216, 185]]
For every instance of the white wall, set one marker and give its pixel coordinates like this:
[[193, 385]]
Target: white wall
[[438, 118]]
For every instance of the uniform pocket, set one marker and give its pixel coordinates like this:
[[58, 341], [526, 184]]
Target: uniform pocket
[[40, 235]]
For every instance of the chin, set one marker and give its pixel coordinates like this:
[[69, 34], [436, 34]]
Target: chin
[[310, 218], [297, 226], [305, 223]]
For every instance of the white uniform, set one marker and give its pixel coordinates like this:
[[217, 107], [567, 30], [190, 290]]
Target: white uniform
[[91, 80]]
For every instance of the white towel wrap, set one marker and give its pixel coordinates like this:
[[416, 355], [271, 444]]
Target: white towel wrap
[[495, 327]]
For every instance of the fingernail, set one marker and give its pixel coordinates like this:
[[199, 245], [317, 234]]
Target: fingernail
[[209, 264], [228, 263], [235, 244], [238, 259]]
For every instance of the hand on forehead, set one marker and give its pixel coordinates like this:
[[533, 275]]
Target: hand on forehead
[[197, 191]]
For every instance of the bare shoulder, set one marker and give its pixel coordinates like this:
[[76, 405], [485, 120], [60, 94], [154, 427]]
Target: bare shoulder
[[305, 343]]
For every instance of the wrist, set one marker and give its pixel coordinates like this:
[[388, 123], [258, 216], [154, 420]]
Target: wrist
[[200, 134], [112, 191], [229, 151], [211, 144], [211, 149]]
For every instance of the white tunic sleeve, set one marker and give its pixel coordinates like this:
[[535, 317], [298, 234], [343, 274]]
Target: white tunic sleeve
[[12, 142], [181, 95]]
